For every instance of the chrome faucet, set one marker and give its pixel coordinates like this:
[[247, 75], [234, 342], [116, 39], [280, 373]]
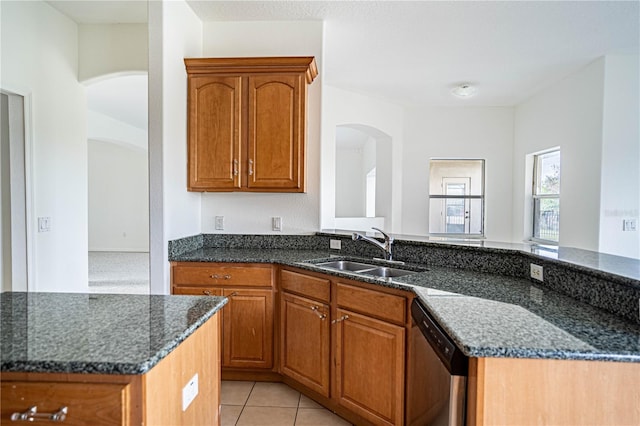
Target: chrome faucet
[[387, 246]]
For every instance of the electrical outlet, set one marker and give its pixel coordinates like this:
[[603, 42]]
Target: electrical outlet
[[629, 225], [335, 244], [276, 223], [189, 392], [536, 272], [219, 223]]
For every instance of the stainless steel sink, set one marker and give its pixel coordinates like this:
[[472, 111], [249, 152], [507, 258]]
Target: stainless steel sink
[[365, 268], [386, 272], [346, 265]]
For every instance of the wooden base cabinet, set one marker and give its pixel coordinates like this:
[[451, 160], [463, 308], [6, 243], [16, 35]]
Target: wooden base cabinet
[[248, 328], [248, 316], [354, 363], [153, 398], [508, 391], [304, 353]]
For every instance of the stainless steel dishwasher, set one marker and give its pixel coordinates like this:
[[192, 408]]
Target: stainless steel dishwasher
[[437, 374]]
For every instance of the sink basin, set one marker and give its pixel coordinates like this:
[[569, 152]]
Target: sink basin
[[346, 265], [387, 272], [365, 269]]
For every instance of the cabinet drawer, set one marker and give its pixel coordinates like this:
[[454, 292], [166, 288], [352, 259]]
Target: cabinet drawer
[[316, 288], [373, 303], [222, 275], [196, 291], [87, 403]]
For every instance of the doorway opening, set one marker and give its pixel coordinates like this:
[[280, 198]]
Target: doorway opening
[[118, 185], [14, 264]]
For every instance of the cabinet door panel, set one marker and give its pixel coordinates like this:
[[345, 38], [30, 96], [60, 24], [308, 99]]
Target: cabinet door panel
[[215, 105], [276, 132], [248, 329], [305, 342], [369, 368]]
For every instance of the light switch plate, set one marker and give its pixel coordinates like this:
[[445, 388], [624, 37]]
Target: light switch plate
[[189, 392]]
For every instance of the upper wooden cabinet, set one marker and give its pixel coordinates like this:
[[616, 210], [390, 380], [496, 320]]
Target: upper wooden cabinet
[[247, 123]]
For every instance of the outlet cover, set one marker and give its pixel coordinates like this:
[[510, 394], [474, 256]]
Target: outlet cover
[[629, 225], [219, 222], [536, 272], [335, 244], [189, 392]]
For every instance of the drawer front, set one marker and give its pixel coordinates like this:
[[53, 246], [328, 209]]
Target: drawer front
[[87, 403], [315, 288], [222, 275], [373, 303], [196, 291]]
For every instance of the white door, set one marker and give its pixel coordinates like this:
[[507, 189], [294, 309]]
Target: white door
[[456, 214]]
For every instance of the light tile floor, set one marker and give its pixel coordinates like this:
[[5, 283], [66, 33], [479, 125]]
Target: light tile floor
[[266, 403]]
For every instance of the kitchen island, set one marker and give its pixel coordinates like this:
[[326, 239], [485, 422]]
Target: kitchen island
[[106, 359]]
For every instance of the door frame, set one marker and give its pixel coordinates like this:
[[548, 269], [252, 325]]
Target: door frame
[[27, 276]]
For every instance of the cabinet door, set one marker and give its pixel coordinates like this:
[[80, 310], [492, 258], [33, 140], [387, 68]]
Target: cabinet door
[[214, 124], [248, 328], [369, 367], [305, 342], [276, 132]]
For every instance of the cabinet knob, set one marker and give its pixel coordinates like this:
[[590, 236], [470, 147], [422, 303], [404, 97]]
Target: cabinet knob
[[32, 415]]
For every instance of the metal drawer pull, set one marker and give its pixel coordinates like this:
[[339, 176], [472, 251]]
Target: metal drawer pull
[[32, 414], [235, 293], [342, 318], [206, 292], [224, 277], [319, 314], [235, 167], [250, 167]]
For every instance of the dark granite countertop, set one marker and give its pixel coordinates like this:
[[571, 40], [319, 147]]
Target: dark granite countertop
[[487, 315], [96, 333]]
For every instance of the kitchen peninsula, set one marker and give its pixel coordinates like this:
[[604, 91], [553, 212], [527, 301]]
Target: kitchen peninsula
[[106, 359], [565, 350]]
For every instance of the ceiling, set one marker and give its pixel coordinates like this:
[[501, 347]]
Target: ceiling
[[414, 52]]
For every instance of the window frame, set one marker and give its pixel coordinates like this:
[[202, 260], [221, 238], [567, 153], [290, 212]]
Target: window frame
[[465, 236], [536, 198]]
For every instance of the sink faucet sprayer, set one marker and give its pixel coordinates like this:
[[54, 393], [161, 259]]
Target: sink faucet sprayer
[[387, 246]]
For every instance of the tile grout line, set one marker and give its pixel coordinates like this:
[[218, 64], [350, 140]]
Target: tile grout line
[[245, 403]]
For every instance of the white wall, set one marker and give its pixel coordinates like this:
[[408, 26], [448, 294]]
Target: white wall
[[252, 212], [567, 114], [39, 60], [118, 197], [620, 180], [351, 189], [342, 107], [440, 132], [175, 32], [111, 48]]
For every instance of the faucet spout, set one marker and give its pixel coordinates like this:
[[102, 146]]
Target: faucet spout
[[387, 246]]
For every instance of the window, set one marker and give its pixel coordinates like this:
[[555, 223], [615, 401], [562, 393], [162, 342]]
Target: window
[[546, 196], [456, 197]]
